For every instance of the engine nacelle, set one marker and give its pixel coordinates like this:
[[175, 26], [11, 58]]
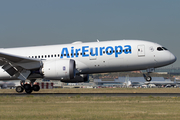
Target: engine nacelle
[[59, 69], [78, 78]]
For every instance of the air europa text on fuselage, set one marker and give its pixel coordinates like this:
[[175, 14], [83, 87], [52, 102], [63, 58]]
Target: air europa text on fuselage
[[87, 51]]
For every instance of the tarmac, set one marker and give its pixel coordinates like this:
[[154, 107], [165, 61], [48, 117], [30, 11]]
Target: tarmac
[[95, 94]]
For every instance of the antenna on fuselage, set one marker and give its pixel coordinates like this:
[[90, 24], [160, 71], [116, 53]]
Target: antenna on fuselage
[[97, 40]]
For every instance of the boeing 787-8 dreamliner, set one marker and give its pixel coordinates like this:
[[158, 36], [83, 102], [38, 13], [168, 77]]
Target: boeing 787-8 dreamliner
[[73, 62]]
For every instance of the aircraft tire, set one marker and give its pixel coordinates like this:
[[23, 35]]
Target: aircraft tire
[[28, 91], [148, 78], [36, 87], [27, 86], [19, 89]]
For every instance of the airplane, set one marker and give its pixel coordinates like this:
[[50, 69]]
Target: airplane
[[160, 83], [73, 62], [9, 84]]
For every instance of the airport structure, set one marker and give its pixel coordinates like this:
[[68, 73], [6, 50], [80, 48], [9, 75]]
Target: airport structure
[[172, 71], [135, 82]]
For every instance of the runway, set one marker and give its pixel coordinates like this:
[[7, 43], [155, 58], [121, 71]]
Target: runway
[[96, 94]]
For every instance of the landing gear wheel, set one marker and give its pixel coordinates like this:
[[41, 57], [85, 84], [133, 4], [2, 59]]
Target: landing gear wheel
[[19, 89], [27, 86], [28, 91], [148, 78], [36, 87]]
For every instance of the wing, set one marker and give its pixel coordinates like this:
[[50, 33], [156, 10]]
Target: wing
[[18, 66]]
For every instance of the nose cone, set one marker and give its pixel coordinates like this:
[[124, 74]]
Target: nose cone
[[172, 58]]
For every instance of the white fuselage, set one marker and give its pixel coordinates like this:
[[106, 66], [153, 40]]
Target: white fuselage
[[98, 57]]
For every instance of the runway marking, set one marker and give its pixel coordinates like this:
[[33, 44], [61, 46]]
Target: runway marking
[[96, 94]]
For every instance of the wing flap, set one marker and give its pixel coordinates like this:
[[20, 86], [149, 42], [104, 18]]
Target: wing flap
[[18, 66]]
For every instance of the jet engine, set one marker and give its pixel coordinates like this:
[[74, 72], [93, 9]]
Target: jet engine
[[78, 78], [59, 69]]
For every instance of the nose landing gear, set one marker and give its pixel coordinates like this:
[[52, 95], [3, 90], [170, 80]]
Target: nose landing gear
[[147, 76]]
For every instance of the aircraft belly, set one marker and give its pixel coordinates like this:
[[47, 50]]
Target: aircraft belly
[[120, 64]]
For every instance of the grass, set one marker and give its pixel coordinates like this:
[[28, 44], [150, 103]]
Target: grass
[[89, 108]]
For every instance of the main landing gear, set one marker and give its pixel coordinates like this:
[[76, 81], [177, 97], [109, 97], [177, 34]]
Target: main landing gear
[[147, 76], [27, 87]]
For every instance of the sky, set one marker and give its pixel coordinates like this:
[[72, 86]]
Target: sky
[[44, 22]]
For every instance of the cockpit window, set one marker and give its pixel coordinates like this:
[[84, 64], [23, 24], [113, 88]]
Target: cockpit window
[[160, 49], [164, 48]]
